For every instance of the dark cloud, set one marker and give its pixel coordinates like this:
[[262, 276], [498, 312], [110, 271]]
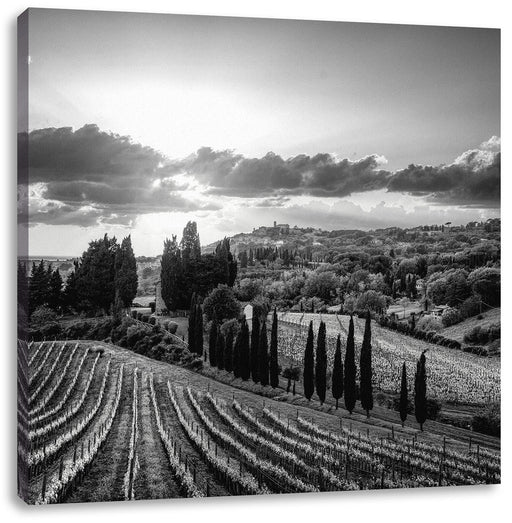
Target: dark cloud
[[91, 175], [473, 180], [227, 173]]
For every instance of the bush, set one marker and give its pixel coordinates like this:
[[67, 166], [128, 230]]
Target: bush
[[482, 335], [152, 320], [429, 323], [470, 307], [42, 315], [433, 409], [171, 326], [488, 420], [451, 317]]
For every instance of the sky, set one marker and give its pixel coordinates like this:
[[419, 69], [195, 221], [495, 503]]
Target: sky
[[139, 123]]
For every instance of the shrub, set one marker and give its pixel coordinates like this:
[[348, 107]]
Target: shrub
[[429, 323], [172, 327], [152, 320], [433, 408], [470, 307], [488, 420], [134, 315], [451, 317], [42, 315]]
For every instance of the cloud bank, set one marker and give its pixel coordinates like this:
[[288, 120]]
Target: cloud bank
[[88, 176]]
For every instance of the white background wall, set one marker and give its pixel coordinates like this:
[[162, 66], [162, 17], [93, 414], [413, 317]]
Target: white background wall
[[465, 504]]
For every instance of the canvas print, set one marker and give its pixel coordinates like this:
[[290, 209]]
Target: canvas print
[[255, 256]]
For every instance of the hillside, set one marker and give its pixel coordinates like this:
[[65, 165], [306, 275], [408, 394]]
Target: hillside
[[457, 332], [205, 438]]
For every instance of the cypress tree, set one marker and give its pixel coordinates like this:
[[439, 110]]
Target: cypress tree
[[274, 363], [228, 351], [350, 369], [337, 373], [198, 334], [245, 355], [236, 355], [420, 391], [55, 290], [321, 364], [309, 364], [263, 356], [212, 343], [366, 367], [171, 274], [126, 279], [255, 347], [219, 350], [404, 401], [192, 325]]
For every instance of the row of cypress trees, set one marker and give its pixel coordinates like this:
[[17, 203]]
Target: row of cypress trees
[[343, 375], [246, 355]]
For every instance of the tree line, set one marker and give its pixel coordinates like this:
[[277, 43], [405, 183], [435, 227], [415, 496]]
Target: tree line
[[249, 355], [185, 271], [106, 273]]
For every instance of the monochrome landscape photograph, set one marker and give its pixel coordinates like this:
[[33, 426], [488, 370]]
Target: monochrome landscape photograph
[[255, 256]]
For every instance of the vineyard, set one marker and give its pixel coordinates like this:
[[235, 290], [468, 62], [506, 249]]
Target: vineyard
[[453, 375], [99, 423]]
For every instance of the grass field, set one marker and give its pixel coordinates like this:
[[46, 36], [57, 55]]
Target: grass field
[[457, 332], [107, 424], [453, 375]]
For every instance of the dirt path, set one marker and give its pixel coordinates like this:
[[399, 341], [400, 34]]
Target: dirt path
[[154, 479], [204, 475], [104, 480]]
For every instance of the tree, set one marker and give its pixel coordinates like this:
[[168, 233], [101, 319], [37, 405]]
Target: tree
[[222, 303], [404, 400], [245, 356], [255, 346], [228, 351], [70, 294], [198, 334], [420, 391], [236, 355], [190, 245], [321, 285], [55, 299], [171, 273], [220, 346], [212, 343], [263, 356], [126, 279], [350, 369], [366, 367], [274, 363], [321, 364], [337, 373], [371, 300], [309, 364], [192, 325], [95, 275], [38, 287], [228, 263]]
